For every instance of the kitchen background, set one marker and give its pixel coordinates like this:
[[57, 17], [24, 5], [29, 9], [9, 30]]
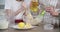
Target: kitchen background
[[3, 1], [2, 4], [2, 9]]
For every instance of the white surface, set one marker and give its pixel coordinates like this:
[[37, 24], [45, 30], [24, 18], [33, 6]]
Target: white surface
[[48, 27], [3, 21], [4, 24]]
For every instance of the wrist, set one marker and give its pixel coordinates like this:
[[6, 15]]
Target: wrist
[[51, 12], [55, 14]]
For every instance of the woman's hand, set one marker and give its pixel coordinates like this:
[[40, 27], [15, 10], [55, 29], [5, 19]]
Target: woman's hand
[[54, 13], [51, 10]]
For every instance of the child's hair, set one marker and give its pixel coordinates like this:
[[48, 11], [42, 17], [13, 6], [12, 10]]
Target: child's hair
[[19, 0]]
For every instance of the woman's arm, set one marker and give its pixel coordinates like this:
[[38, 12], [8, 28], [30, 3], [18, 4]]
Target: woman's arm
[[53, 13], [23, 8], [10, 13], [18, 11]]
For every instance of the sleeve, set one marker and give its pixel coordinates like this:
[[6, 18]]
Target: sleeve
[[49, 2], [7, 4], [53, 2]]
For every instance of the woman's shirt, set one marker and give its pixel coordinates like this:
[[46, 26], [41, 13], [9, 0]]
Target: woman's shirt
[[14, 6]]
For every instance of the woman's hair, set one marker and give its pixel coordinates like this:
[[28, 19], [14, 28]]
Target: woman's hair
[[19, 0]]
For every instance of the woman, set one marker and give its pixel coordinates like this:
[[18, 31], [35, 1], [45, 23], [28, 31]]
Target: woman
[[50, 10], [14, 9]]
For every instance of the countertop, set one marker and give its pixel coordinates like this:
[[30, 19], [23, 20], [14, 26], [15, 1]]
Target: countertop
[[37, 29]]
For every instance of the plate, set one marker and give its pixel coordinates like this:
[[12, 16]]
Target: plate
[[16, 27]]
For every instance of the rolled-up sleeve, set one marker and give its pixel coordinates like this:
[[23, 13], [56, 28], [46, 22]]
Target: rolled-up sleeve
[[49, 2], [7, 4], [53, 2]]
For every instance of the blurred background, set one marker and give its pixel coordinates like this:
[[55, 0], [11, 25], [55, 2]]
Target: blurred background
[[2, 4], [3, 1]]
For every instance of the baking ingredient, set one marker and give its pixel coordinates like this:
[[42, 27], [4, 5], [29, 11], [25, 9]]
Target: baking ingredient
[[34, 6], [21, 25], [28, 25]]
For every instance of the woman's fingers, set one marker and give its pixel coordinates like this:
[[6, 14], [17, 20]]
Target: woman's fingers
[[49, 9], [55, 13]]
